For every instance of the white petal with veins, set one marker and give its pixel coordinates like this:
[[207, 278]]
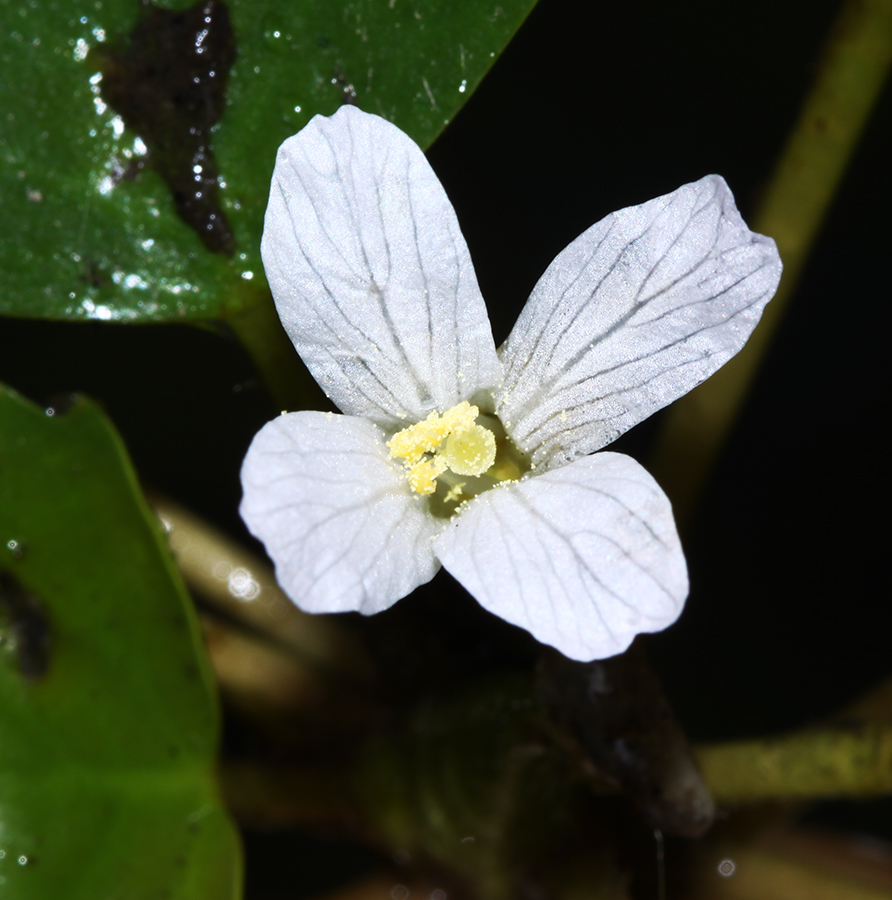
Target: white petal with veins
[[584, 557], [633, 314], [336, 514], [372, 278]]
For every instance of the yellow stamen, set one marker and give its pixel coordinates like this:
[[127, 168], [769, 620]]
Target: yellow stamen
[[470, 449]]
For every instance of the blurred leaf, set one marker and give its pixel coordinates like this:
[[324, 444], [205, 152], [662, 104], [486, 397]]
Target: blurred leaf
[[98, 237], [107, 711]]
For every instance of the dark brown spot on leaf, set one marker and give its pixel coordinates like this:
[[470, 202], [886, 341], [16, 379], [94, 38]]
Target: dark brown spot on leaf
[[24, 627], [167, 81], [92, 275]]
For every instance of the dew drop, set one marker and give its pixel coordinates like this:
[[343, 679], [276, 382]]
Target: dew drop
[[727, 868], [17, 550]]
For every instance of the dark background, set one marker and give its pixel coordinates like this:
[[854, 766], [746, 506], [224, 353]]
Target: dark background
[[597, 106]]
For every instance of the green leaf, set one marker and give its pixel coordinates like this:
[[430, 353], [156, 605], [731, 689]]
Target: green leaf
[[97, 237], [107, 709]]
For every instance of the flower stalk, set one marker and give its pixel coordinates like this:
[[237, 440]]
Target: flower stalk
[[853, 69]]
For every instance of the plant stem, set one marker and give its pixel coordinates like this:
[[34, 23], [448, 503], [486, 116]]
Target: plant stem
[[852, 72], [255, 321], [850, 762], [242, 587]]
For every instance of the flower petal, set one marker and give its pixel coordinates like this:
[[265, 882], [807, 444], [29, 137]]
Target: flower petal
[[584, 557], [336, 514], [637, 311], [372, 278]]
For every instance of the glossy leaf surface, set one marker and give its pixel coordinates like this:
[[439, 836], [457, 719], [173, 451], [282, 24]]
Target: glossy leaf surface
[[107, 710], [96, 231]]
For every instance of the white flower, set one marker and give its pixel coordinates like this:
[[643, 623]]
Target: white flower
[[374, 285]]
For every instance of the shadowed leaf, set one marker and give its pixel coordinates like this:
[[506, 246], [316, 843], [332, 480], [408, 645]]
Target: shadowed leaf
[[107, 711]]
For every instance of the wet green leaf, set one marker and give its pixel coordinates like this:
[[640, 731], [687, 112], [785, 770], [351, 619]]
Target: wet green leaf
[[107, 710], [96, 231]]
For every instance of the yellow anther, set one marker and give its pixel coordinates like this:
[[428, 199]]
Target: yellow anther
[[425, 436], [470, 449], [423, 475]]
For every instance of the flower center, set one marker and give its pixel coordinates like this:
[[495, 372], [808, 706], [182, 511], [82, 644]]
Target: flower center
[[452, 441], [452, 457]]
